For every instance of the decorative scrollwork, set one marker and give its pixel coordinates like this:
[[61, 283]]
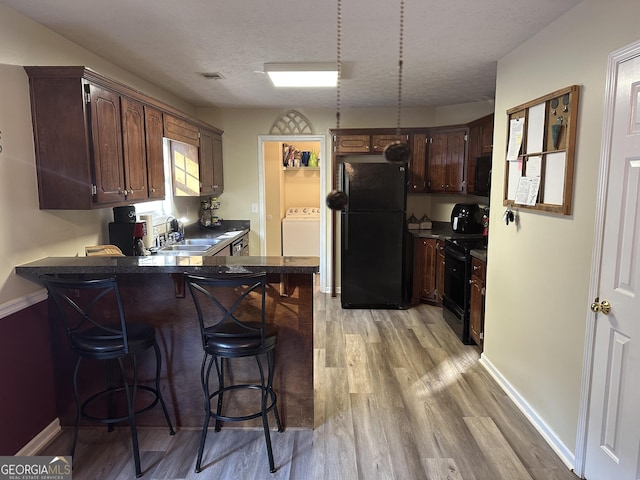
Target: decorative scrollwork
[[291, 123]]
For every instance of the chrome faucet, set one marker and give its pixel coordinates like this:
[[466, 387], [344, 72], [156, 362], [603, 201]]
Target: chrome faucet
[[167, 230]]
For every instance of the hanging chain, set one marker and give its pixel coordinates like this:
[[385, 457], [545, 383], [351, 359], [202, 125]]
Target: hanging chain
[[400, 61], [339, 62]]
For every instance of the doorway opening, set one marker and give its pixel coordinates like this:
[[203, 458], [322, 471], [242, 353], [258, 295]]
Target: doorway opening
[[283, 187]]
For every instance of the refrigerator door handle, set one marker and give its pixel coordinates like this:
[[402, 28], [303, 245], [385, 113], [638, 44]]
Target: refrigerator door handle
[[345, 185]]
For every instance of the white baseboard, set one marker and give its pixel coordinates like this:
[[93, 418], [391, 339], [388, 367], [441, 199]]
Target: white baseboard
[[41, 440], [565, 454], [20, 303]]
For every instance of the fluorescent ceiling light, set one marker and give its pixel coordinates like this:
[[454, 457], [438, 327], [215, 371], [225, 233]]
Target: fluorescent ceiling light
[[302, 74]]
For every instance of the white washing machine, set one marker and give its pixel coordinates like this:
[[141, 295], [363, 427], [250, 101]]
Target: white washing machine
[[301, 232]]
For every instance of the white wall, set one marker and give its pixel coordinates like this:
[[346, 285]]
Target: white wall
[[538, 273]]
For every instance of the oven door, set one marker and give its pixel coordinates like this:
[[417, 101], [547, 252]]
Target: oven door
[[455, 300], [454, 280]]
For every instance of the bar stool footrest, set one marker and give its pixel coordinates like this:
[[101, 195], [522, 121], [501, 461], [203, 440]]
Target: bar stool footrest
[[108, 420], [250, 416]]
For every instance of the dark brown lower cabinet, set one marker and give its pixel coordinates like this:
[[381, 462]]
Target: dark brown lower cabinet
[[440, 270], [425, 270], [476, 304]]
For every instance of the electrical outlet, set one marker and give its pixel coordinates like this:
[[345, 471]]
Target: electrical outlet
[[254, 208]]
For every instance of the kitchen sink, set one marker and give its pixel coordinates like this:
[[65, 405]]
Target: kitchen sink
[[200, 241], [189, 248], [181, 253]]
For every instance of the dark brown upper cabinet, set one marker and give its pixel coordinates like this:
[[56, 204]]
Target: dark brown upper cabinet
[[446, 159], [98, 143]]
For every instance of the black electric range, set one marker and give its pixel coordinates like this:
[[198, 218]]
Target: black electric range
[[457, 282]]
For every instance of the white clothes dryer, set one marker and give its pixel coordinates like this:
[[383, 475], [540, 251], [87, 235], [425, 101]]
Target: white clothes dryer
[[301, 232]]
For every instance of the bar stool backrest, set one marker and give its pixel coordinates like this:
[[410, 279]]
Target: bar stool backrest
[[226, 307], [92, 313]]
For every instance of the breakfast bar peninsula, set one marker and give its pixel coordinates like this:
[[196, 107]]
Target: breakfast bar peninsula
[[152, 289]]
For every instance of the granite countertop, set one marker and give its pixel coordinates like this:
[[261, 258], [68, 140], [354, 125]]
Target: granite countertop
[[100, 265], [443, 230], [438, 230], [480, 254]]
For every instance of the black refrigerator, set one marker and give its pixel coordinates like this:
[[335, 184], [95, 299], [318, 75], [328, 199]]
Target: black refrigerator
[[373, 269]]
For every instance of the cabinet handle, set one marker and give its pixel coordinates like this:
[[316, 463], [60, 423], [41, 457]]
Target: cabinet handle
[[475, 267], [153, 190]]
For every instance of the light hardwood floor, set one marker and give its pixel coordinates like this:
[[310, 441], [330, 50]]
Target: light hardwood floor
[[397, 396]]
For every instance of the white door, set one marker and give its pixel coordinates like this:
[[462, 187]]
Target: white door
[[613, 428]]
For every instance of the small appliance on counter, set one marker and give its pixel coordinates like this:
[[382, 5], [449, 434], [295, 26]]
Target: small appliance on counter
[[466, 218], [126, 214], [125, 233], [149, 239]]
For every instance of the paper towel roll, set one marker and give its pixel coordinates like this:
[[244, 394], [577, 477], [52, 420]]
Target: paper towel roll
[[148, 239]]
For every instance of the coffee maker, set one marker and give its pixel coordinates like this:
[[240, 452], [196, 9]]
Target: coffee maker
[[125, 233]]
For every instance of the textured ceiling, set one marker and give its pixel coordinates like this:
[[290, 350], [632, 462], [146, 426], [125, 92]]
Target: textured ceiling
[[450, 52]]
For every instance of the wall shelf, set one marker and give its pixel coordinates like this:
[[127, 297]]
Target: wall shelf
[[296, 169]]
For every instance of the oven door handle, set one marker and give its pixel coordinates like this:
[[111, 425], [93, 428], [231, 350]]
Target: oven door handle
[[455, 255]]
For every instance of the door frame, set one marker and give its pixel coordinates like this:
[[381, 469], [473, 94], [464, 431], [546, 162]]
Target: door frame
[[325, 165], [615, 59]]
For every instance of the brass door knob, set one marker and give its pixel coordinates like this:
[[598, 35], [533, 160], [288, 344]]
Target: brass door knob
[[603, 307]]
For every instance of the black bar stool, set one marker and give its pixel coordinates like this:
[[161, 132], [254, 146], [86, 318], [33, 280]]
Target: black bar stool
[[232, 325], [96, 329]]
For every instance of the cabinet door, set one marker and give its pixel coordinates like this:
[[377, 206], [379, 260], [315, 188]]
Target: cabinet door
[[134, 149], [106, 137], [218, 173], [456, 149], [447, 153], [476, 302], [440, 271], [379, 142], [437, 162], [351, 143], [418, 164], [473, 151], [486, 137], [426, 268], [207, 181], [155, 156]]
